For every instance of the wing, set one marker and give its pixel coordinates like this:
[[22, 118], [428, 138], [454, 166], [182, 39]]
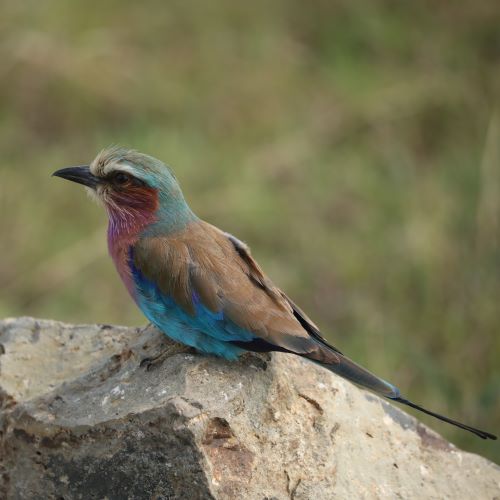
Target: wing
[[256, 274], [203, 265]]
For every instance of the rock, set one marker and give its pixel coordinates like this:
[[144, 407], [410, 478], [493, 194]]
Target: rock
[[81, 419]]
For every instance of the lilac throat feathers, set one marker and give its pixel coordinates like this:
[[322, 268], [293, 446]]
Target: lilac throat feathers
[[127, 219], [130, 213]]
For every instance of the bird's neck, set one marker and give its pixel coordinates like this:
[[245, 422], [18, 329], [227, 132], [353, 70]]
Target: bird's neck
[[173, 215], [128, 223], [124, 228]]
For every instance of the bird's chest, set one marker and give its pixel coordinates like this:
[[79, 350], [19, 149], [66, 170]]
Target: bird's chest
[[120, 252]]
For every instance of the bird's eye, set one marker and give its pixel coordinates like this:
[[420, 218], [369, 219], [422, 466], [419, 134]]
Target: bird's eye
[[121, 178]]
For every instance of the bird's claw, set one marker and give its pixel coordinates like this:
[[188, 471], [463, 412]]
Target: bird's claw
[[149, 362]]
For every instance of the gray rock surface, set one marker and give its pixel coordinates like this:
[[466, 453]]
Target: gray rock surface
[[80, 419]]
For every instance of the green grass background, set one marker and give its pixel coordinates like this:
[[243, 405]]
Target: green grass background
[[353, 145]]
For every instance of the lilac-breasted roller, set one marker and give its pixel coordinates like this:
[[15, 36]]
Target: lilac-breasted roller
[[198, 284]]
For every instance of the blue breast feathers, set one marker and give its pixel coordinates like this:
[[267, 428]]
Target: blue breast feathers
[[205, 330]]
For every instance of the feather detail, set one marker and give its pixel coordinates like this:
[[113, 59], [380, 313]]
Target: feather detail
[[166, 262], [217, 269], [126, 221]]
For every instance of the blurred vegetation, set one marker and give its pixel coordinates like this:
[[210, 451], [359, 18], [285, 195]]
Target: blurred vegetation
[[353, 145]]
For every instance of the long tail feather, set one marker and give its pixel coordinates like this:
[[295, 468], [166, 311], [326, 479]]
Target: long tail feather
[[350, 370], [477, 432]]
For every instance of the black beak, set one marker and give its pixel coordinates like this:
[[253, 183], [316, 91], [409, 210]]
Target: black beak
[[81, 174]]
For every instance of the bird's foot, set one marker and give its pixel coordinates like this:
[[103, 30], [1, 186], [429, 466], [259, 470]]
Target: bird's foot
[[150, 362]]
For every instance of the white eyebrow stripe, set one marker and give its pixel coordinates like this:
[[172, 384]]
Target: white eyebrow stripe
[[118, 167]]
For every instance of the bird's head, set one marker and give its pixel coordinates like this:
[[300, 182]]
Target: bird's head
[[136, 189]]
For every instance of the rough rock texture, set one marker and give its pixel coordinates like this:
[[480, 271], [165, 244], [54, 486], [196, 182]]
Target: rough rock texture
[[81, 419]]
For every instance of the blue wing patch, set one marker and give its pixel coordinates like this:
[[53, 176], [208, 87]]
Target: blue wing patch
[[206, 331]]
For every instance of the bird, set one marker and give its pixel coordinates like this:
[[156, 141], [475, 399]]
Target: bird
[[200, 285]]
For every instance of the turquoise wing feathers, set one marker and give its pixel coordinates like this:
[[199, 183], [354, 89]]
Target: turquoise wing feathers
[[203, 288]]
